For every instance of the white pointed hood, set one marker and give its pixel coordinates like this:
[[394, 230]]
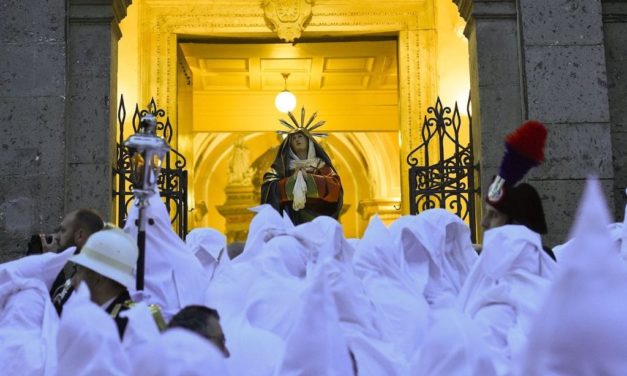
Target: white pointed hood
[[395, 293], [446, 240], [180, 352], [88, 342], [316, 345], [28, 325], [453, 346], [174, 278], [359, 320], [280, 271], [141, 329], [209, 247], [266, 224], [505, 288], [581, 328], [44, 267]]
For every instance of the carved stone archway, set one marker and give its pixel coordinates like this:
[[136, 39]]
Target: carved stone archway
[[412, 22]]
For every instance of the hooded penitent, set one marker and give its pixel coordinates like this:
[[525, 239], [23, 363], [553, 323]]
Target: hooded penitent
[[524, 149], [179, 352], [505, 288], [453, 345], [436, 243], [316, 345], [88, 342], [581, 329], [28, 326], [174, 277], [141, 330], [209, 247], [396, 293], [302, 196], [44, 267]]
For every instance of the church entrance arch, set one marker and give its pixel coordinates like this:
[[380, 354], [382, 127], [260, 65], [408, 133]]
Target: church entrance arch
[[164, 72]]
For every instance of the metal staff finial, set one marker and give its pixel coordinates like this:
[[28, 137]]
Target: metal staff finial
[[148, 153]]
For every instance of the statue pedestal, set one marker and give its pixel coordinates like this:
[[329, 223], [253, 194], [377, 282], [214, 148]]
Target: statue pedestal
[[235, 210], [388, 209]]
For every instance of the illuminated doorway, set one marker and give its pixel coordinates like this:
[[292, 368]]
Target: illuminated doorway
[[432, 60], [231, 89]]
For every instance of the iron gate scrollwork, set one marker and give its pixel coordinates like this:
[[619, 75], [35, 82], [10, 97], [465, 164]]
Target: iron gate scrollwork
[[172, 180], [442, 170]]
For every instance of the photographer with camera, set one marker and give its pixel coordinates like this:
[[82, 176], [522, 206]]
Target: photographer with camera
[[74, 230]]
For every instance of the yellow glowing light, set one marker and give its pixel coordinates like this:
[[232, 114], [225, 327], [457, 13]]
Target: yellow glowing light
[[285, 101]]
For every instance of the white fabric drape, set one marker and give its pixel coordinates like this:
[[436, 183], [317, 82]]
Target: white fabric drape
[[44, 267], [179, 352], [395, 293], [436, 244], [316, 345], [453, 346], [505, 288], [88, 342], [28, 326], [209, 247], [173, 277], [581, 329]]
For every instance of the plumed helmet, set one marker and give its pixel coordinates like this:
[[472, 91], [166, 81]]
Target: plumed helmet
[[524, 149], [111, 253]]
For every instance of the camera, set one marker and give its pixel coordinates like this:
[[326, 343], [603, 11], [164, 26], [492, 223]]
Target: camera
[[34, 245]]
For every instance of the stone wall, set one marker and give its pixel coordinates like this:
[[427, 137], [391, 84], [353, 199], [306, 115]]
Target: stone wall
[[566, 85], [615, 35], [544, 60], [57, 75], [32, 118]]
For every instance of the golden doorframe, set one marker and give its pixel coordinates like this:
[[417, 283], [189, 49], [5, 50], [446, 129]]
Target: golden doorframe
[[413, 24]]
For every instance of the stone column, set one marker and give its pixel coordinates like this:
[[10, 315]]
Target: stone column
[[566, 85], [57, 78], [615, 36], [495, 79], [32, 111], [545, 60], [90, 125]]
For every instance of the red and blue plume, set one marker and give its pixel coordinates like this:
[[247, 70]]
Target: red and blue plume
[[524, 149]]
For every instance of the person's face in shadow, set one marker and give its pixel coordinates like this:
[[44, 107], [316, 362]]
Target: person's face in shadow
[[493, 218]]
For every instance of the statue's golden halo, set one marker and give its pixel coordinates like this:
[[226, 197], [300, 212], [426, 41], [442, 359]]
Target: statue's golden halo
[[301, 126]]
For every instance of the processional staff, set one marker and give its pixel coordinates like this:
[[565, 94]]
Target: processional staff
[[148, 153]]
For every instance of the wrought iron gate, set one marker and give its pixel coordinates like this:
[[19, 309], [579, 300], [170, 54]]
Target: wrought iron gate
[[442, 170], [172, 181]]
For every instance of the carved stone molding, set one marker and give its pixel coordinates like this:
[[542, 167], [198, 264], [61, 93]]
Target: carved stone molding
[[464, 7], [614, 11], [287, 18], [98, 12], [412, 22], [471, 10]]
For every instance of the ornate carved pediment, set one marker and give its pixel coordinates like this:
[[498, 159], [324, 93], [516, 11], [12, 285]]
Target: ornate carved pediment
[[287, 18]]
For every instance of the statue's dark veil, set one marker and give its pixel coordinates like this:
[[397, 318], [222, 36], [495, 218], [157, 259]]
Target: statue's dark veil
[[280, 170]]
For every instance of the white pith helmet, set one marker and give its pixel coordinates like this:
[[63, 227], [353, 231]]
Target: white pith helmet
[[111, 253]]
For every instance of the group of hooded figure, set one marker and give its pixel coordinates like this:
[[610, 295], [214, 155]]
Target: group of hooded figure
[[411, 298]]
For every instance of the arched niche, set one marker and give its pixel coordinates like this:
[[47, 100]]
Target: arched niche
[[364, 162]]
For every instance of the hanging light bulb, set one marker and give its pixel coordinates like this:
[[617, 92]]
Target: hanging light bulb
[[285, 101]]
